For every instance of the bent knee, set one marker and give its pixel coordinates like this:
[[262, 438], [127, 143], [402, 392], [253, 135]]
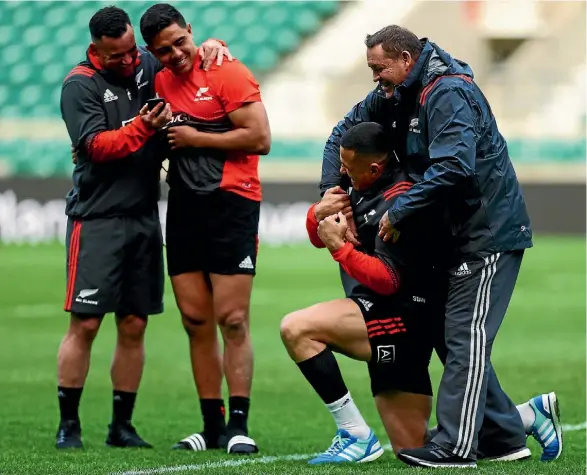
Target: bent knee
[[294, 327]]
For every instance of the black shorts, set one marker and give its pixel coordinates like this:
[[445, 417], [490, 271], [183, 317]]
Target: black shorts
[[115, 265], [403, 331], [214, 233]]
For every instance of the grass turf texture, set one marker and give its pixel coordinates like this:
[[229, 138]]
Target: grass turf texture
[[540, 348]]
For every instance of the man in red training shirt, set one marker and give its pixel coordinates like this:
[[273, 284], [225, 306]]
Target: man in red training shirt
[[219, 129]]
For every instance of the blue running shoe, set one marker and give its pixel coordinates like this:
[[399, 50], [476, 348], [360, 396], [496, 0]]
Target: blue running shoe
[[347, 448], [547, 429]]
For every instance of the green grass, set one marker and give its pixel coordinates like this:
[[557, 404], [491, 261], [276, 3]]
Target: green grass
[[540, 348]]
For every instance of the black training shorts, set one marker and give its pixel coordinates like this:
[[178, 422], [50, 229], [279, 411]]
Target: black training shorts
[[214, 233], [115, 265], [403, 331]]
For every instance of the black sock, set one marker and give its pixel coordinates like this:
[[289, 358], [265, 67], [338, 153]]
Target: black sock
[[323, 373], [123, 404], [214, 423], [239, 414], [69, 402]]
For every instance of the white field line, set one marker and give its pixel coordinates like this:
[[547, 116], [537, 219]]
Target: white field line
[[265, 459]]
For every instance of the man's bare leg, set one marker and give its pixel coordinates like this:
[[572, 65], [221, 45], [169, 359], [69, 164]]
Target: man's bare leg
[[309, 334], [73, 364], [193, 296], [232, 297], [126, 373], [127, 365], [405, 417]]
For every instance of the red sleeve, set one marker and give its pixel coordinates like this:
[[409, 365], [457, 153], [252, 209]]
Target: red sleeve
[[119, 143], [367, 270], [312, 227], [235, 85]]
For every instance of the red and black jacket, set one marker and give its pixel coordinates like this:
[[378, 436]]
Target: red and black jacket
[[400, 264], [118, 165]]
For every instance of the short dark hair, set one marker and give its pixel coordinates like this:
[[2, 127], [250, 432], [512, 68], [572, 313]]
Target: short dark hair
[[394, 39], [366, 138], [109, 21], [157, 18]]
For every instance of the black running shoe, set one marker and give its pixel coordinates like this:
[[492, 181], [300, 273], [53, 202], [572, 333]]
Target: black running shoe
[[69, 435], [432, 455], [123, 434]]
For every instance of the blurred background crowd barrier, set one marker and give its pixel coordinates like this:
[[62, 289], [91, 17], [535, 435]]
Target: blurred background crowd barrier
[[309, 56]]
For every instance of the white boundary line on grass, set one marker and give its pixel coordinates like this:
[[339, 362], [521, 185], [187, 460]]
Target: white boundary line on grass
[[265, 459]]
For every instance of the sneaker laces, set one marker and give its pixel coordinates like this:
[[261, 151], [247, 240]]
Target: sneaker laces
[[337, 446]]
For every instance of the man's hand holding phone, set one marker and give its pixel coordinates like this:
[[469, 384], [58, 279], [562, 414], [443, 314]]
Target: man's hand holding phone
[[156, 113]]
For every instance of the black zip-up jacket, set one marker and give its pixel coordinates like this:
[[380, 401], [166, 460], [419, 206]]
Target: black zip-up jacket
[[118, 163]]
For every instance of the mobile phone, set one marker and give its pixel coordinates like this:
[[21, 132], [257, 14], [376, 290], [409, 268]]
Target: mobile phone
[[151, 103]]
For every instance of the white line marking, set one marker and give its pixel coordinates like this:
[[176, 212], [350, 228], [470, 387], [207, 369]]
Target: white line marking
[[574, 427], [266, 459], [210, 465]]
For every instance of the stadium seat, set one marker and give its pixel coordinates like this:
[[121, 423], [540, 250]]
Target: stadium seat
[[55, 37]]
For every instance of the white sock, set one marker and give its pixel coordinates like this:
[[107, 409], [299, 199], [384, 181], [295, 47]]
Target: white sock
[[527, 415], [348, 417]]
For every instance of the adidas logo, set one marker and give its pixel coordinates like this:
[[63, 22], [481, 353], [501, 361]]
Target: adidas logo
[[109, 96], [247, 263], [462, 270], [366, 304]]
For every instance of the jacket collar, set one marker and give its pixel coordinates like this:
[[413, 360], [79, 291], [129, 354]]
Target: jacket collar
[[415, 76]]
